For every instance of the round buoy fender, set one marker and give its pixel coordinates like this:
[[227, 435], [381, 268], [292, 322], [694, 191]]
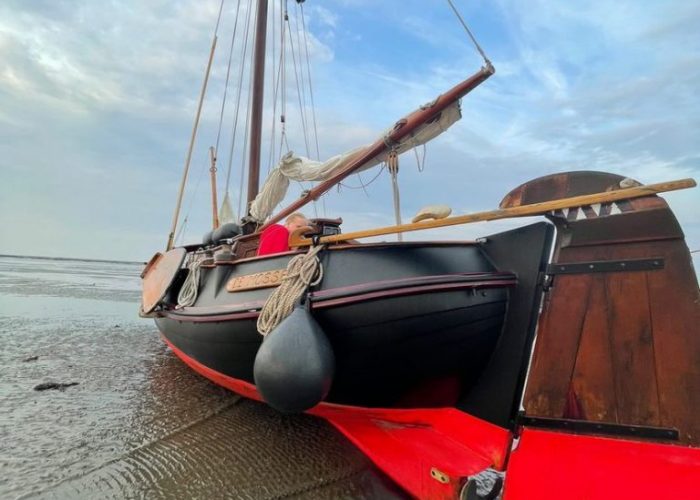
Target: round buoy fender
[[295, 364]]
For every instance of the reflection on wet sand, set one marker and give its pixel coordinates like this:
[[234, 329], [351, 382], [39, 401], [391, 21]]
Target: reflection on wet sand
[[139, 423], [237, 449]]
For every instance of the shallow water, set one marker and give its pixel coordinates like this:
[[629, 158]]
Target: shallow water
[[139, 423]]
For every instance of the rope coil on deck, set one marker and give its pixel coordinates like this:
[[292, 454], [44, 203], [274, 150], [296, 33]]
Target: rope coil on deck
[[303, 271]]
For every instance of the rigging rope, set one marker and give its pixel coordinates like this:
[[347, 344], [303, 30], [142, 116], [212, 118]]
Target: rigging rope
[[303, 271], [296, 77], [190, 288], [311, 88], [311, 96], [283, 71], [181, 232], [421, 162], [218, 17], [274, 82], [476, 44], [238, 96], [247, 131], [393, 163], [363, 185], [228, 72]]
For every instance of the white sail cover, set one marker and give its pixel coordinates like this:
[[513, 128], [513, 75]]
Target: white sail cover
[[299, 168]]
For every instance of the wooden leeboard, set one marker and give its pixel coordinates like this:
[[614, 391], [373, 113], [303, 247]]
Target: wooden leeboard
[[158, 275], [636, 362]]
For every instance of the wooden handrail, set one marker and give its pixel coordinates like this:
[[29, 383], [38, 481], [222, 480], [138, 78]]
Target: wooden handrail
[[297, 238]]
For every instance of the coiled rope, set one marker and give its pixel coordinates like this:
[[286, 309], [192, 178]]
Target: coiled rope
[[190, 288], [303, 271]]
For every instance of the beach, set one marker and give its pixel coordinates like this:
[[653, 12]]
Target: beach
[[122, 417]]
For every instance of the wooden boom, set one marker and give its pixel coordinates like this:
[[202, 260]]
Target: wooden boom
[[297, 239], [402, 128]]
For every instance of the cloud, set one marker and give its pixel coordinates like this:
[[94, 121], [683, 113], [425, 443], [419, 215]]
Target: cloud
[[97, 101]]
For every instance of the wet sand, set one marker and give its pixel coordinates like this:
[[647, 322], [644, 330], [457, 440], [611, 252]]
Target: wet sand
[[139, 423]]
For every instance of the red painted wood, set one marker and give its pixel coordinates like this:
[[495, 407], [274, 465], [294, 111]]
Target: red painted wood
[[405, 443], [553, 466]]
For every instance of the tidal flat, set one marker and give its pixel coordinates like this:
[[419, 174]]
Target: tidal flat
[[121, 417]]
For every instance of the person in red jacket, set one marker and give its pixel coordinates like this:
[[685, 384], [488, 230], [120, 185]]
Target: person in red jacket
[[275, 238]]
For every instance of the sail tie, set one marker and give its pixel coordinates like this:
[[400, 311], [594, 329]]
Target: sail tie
[[303, 271], [392, 162]]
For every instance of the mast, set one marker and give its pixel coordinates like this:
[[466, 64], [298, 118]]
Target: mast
[[257, 102]]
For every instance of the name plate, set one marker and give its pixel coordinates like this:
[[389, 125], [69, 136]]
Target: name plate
[[264, 279]]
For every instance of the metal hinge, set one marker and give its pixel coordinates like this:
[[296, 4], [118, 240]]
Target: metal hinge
[[606, 266], [606, 428]]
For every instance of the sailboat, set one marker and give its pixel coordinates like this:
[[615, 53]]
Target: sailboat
[[419, 351]]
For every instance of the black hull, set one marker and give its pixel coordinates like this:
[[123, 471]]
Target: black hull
[[377, 362], [399, 318]]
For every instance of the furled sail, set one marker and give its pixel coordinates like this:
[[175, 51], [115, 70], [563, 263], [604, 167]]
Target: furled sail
[[298, 168], [226, 214]]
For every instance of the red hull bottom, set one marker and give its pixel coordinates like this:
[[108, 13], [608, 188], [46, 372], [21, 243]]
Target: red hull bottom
[[428, 452], [431, 453], [550, 465]]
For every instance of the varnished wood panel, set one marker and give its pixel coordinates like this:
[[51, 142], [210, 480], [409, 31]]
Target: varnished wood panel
[[556, 345], [632, 348], [675, 310], [594, 363], [649, 352]]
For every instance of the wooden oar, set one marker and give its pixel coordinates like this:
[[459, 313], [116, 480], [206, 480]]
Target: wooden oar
[[297, 239]]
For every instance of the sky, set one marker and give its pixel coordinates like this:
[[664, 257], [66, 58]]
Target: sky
[[97, 102]]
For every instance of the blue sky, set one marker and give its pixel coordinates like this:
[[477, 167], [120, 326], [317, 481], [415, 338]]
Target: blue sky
[[97, 101]]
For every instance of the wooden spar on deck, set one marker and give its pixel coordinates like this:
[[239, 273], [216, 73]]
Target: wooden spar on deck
[[402, 128], [257, 102], [297, 239]]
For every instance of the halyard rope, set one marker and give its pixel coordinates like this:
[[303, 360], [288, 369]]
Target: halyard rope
[[476, 44], [303, 271]]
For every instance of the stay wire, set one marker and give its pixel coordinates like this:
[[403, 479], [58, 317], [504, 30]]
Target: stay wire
[[238, 96], [311, 89], [296, 77], [302, 84], [476, 44], [181, 233], [273, 87], [236, 113], [228, 73], [247, 128]]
